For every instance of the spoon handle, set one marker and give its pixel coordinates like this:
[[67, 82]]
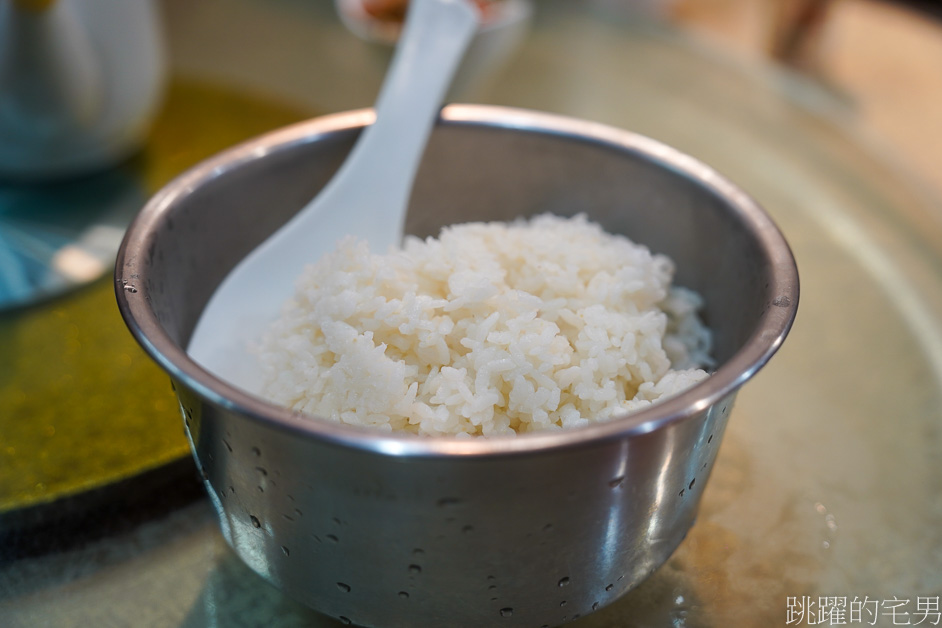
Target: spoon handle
[[368, 196], [376, 179]]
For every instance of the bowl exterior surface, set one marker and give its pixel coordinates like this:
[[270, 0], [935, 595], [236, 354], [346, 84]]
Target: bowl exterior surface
[[525, 540]]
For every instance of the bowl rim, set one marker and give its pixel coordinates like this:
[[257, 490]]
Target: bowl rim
[[769, 334]]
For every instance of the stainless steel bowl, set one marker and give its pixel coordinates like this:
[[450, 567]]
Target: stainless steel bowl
[[383, 530]]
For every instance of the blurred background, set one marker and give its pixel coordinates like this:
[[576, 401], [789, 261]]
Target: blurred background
[[883, 57], [880, 57], [829, 112]]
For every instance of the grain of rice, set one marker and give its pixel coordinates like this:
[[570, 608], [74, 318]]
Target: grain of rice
[[490, 329]]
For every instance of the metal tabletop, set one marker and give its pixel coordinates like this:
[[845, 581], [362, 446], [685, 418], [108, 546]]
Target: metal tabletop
[[829, 481]]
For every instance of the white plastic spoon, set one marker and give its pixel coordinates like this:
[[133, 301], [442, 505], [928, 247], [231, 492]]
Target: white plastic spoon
[[367, 197]]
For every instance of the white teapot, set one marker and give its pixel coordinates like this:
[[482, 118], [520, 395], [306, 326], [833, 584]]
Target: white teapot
[[80, 81]]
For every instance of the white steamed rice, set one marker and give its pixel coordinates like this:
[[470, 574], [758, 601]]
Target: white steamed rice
[[490, 329]]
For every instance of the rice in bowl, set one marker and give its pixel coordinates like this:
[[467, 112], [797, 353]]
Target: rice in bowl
[[489, 329]]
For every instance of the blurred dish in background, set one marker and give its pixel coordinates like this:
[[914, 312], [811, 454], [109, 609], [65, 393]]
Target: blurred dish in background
[[80, 81], [57, 236], [87, 422], [504, 24]]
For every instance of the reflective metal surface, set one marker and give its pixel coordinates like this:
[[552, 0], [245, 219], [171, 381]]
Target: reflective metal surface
[[388, 530], [827, 480]]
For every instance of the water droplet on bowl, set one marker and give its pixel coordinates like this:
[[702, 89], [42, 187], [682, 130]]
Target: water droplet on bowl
[[285, 550], [255, 522], [343, 587], [404, 595], [506, 612], [616, 482], [563, 581], [610, 587], [333, 538], [256, 451], [415, 569]]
